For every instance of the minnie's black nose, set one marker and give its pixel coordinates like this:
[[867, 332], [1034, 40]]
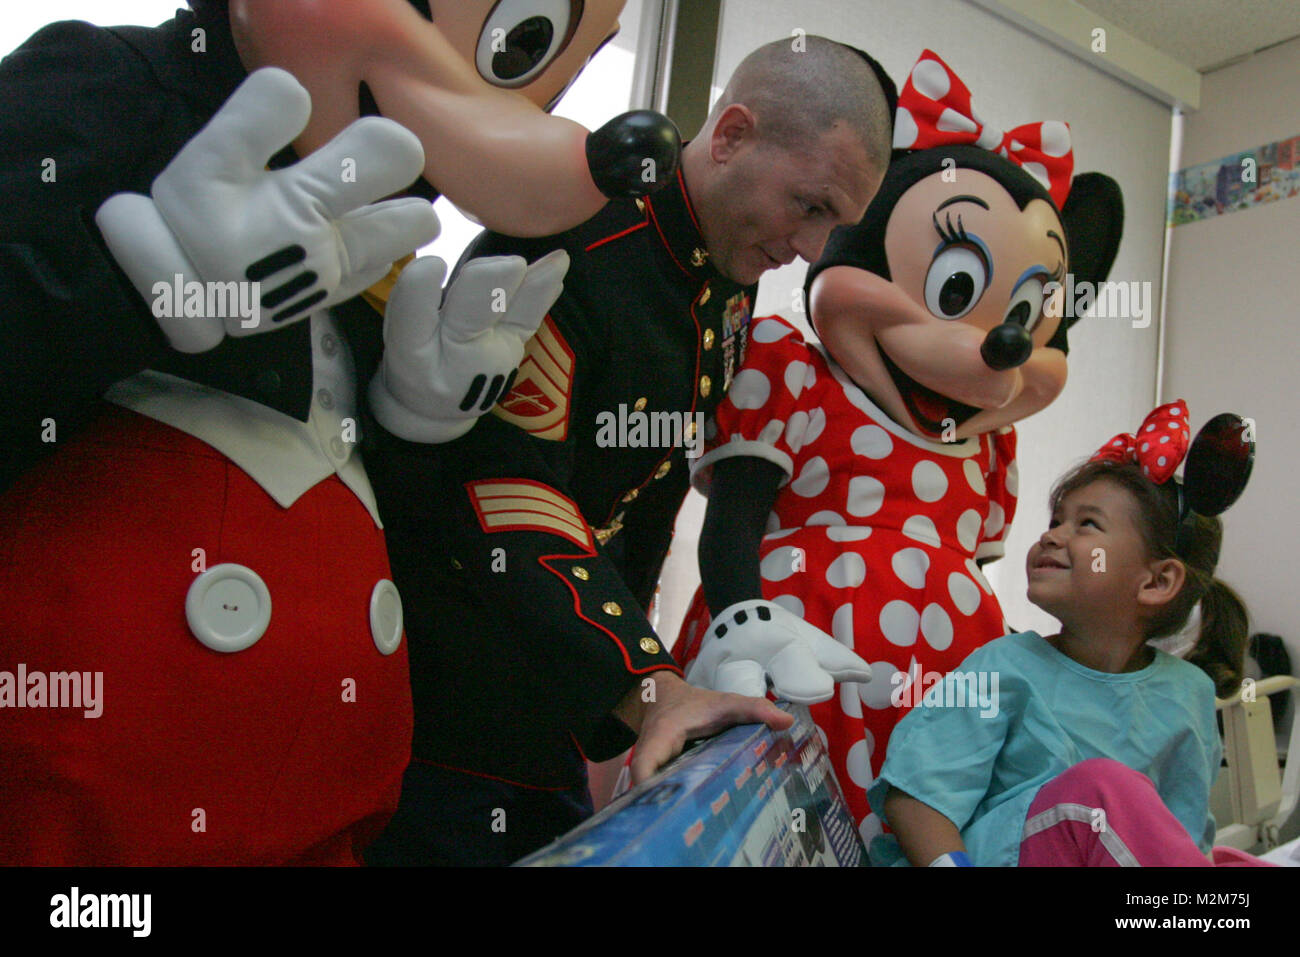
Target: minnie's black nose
[[1006, 346]]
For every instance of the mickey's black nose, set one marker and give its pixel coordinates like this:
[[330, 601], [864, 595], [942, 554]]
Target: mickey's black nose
[[1006, 346]]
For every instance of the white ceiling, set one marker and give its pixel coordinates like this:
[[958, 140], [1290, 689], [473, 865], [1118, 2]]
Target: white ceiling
[[1203, 34]]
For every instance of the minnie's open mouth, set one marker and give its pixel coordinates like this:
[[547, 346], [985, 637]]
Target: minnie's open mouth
[[932, 412]]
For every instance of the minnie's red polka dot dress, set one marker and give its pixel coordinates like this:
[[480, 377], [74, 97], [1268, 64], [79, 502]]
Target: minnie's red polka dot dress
[[873, 537]]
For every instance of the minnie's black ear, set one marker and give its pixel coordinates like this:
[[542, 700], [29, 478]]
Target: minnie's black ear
[[1094, 221]]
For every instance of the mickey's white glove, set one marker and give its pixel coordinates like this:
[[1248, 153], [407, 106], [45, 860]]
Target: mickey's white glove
[[310, 235], [443, 368], [754, 639]]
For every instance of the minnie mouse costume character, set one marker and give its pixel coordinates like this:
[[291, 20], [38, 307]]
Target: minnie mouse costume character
[[202, 555], [855, 487]]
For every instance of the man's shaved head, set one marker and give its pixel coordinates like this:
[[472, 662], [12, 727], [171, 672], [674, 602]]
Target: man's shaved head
[[799, 87]]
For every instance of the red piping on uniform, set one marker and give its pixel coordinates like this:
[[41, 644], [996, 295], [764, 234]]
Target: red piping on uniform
[[610, 239], [690, 209], [649, 205], [577, 610]]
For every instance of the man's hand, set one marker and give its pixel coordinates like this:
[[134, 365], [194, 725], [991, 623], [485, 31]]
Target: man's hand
[[443, 368], [680, 713], [752, 640], [311, 234]]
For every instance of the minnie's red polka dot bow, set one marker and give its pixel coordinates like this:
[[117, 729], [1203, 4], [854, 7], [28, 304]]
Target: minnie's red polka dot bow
[[934, 109], [1159, 446]]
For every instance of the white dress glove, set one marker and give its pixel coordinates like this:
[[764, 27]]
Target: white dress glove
[[443, 368], [753, 640], [311, 234]]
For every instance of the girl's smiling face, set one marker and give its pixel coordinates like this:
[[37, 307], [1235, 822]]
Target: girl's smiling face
[[1092, 562]]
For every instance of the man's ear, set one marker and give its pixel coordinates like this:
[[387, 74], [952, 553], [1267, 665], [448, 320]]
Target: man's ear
[[736, 125], [1164, 582]]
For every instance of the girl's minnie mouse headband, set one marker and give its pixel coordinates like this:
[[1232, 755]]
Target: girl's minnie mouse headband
[[1219, 461], [934, 109]]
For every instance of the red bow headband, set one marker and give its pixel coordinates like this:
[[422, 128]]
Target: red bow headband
[[1159, 446], [934, 109]]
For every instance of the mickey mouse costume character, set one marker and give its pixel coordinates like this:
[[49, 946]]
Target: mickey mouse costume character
[[206, 547], [855, 487]]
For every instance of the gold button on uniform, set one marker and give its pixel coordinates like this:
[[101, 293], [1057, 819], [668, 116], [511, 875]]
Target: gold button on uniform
[[690, 429], [455, 563], [639, 404], [706, 386], [580, 573], [708, 339], [698, 257], [612, 608], [663, 469], [640, 204], [650, 646], [631, 496], [705, 296]]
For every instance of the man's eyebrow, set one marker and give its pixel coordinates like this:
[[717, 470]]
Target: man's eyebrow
[[962, 199]]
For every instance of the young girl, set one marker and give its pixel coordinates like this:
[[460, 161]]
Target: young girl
[[1099, 750]]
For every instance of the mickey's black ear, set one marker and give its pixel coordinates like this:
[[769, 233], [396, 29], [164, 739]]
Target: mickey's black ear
[[1094, 221]]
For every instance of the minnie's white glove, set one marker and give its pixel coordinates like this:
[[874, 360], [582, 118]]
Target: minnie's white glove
[[311, 234], [443, 368], [756, 639]]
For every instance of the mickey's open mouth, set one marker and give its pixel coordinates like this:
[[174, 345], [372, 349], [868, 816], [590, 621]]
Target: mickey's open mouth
[[932, 412]]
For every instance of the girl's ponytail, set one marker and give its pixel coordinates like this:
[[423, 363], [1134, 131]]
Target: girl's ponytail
[[1220, 649]]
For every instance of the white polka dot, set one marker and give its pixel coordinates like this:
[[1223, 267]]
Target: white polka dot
[[1150, 428], [1117, 442], [899, 622], [1161, 460], [1173, 425], [936, 626], [842, 624], [816, 424], [990, 136], [1164, 439], [847, 571], [877, 692], [928, 481], [850, 703], [795, 430], [1016, 146], [870, 829], [975, 573], [825, 517], [773, 523], [866, 494], [779, 533], [965, 596], [1013, 480], [950, 121], [871, 441], [779, 563], [905, 129], [749, 390], [770, 330], [847, 533], [794, 373], [790, 603], [858, 763], [974, 477], [1039, 172], [910, 565], [813, 478], [1145, 446], [1054, 138], [771, 432], [996, 520], [929, 77], [968, 529], [921, 528], [1175, 411], [809, 377]]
